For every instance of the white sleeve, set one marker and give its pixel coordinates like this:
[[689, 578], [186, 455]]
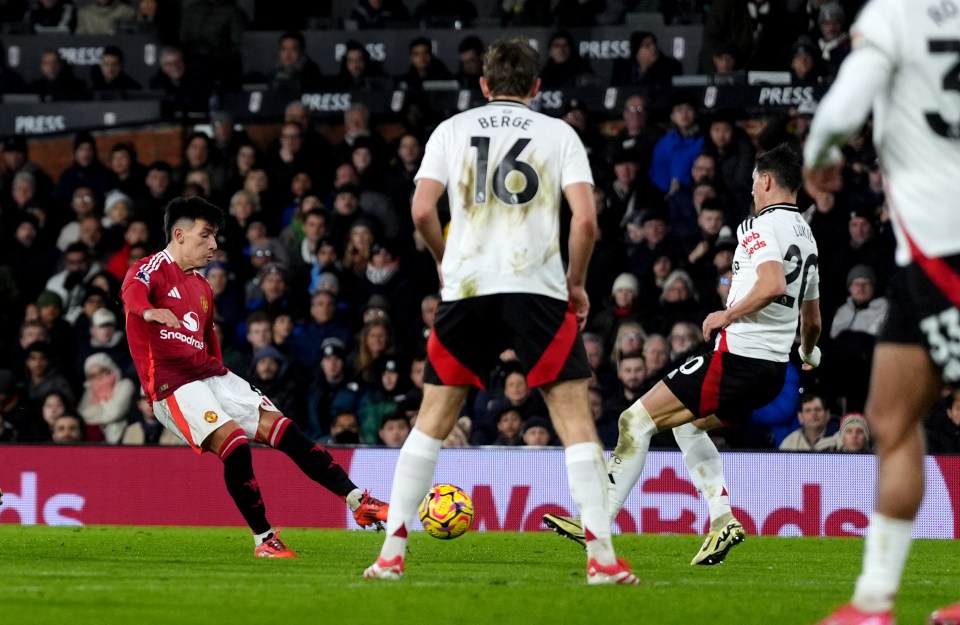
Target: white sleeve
[[864, 73], [761, 241], [435, 164], [575, 164]]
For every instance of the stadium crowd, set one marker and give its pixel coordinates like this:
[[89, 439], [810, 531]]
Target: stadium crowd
[[325, 295]]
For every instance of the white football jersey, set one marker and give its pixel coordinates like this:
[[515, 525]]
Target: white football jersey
[[504, 167], [778, 233], [906, 65]]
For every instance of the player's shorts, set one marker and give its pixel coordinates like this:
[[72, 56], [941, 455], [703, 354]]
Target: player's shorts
[[925, 310], [195, 410], [727, 385], [470, 334]]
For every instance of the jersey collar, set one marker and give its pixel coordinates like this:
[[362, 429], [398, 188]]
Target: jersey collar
[[787, 207], [498, 102]]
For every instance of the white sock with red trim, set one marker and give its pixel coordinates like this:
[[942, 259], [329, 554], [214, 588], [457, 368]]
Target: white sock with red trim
[[626, 463], [411, 482], [703, 464], [587, 479], [884, 556]]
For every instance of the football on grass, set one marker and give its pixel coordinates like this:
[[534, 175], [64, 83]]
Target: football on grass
[[446, 512]]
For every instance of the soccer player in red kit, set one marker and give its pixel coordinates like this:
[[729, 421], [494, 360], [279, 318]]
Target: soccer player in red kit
[[169, 315]]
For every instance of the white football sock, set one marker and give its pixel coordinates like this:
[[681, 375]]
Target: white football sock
[[353, 499], [626, 463], [411, 481], [259, 539], [884, 556], [587, 479], [703, 464]]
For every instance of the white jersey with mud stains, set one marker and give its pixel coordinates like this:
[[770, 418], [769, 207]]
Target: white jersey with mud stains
[[778, 233], [504, 167], [905, 65]]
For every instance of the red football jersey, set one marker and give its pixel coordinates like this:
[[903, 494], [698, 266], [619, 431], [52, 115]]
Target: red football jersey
[[168, 358]]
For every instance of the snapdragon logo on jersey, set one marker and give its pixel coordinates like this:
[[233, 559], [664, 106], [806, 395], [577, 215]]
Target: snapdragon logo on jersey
[[605, 48], [748, 243], [191, 322]]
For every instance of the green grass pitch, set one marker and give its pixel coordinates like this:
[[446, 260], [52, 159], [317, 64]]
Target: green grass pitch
[[141, 576]]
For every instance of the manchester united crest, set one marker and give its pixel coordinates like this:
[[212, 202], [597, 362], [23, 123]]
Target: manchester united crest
[[210, 416], [204, 304]]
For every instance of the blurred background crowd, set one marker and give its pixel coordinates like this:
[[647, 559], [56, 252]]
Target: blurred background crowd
[[324, 294]]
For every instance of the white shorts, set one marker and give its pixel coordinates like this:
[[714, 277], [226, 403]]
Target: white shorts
[[196, 410]]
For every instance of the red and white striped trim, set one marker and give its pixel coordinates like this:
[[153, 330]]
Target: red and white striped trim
[[277, 430], [233, 440]]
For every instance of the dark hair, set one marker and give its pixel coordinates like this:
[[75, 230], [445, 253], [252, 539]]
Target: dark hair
[[809, 396], [113, 51], [510, 67], [630, 355], [190, 209], [471, 42], [160, 166], [296, 36], [124, 146], [77, 246], [396, 415], [421, 41], [785, 164], [636, 40]]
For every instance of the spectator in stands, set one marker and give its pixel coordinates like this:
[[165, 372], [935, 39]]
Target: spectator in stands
[[24, 200], [86, 170], [42, 376], [296, 73], [812, 435], [649, 238], [679, 301], [685, 338], [333, 390], [16, 158], [56, 81], [523, 13], [834, 40], [470, 53], [309, 335], [68, 284], [136, 238], [725, 66], [107, 338], [624, 304], [67, 429], [632, 374], [270, 371], [394, 431], [160, 189], [423, 66], [942, 425], [636, 136], [445, 13], [734, 155], [40, 426], [158, 18], [356, 68], [564, 67], [381, 398], [344, 430], [107, 79], [29, 255], [375, 342], [854, 434], [378, 13], [647, 66], [101, 17], [684, 205], [117, 213], [183, 93], [630, 338], [656, 357], [210, 34], [701, 250], [107, 397], [52, 16], [604, 375], [760, 31], [83, 204], [129, 173], [806, 66], [675, 152], [198, 154], [536, 432], [509, 423], [399, 180]]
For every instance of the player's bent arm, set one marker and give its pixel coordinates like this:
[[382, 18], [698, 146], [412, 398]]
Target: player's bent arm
[[771, 284], [810, 325], [845, 107], [425, 217], [583, 230]]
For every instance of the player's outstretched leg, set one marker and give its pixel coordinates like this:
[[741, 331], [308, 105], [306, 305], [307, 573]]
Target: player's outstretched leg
[[317, 464], [234, 451], [705, 467]]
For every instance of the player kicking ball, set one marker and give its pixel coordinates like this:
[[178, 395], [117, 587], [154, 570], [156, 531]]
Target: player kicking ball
[[775, 281], [169, 319]]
